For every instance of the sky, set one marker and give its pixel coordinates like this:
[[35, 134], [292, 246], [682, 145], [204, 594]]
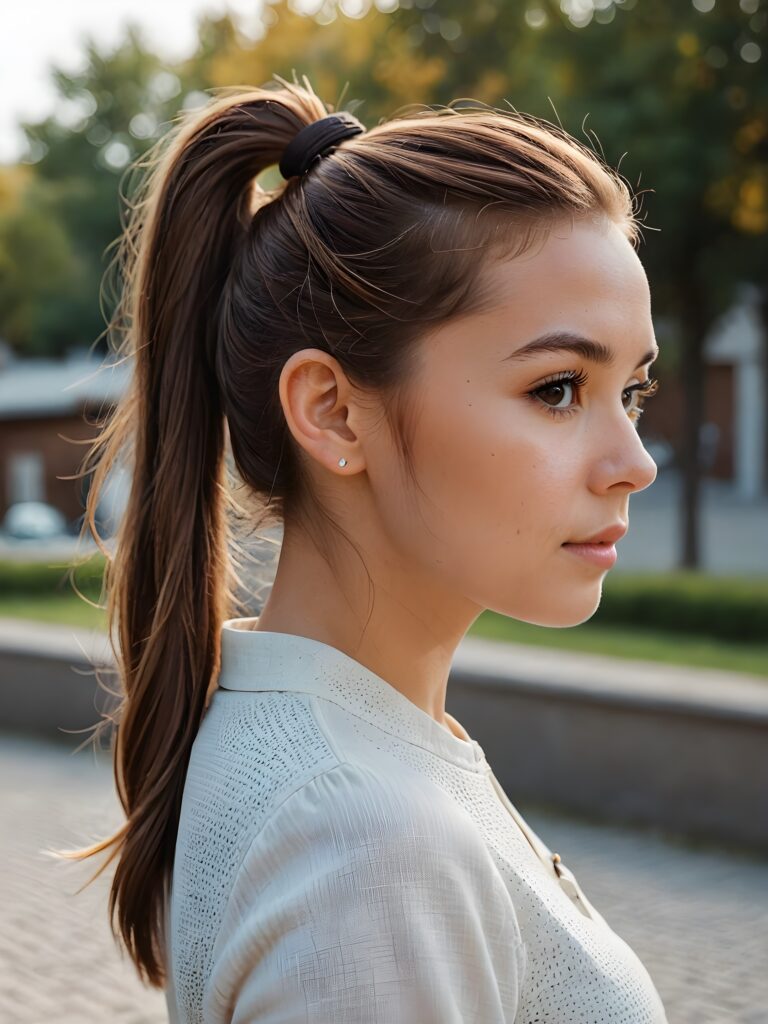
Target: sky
[[37, 33]]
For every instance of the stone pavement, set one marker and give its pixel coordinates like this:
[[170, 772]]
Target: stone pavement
[[696, 916]]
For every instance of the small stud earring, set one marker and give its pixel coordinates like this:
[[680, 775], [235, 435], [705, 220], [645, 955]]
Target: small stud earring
[[342, 461]]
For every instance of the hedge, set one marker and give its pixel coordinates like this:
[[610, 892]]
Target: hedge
[[29, 579], [728, 608]]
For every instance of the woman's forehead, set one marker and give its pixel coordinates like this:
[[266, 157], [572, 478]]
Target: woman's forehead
[[585, 281], [569, 258]]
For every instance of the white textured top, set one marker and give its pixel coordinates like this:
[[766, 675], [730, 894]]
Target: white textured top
[[343, 858]]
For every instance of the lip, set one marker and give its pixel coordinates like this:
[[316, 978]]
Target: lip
[[607, 536], [602, 555]]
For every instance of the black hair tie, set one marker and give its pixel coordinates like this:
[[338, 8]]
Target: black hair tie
[[314, 139]]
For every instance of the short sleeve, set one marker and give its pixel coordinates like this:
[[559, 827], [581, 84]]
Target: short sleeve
[[367, 901]]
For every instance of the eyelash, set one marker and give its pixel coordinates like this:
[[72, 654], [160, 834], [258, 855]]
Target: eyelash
[[645, 389]]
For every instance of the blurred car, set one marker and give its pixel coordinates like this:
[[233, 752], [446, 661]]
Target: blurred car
[[33, 520]]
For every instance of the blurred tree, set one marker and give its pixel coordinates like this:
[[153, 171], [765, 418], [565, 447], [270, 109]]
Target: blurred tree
[[42, 281], [373, 52], [55, 295], [108, 115]]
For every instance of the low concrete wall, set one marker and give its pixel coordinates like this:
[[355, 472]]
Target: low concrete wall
[[48, 679], [649, 744], [636, 742]]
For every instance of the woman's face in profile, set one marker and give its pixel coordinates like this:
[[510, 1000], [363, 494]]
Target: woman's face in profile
[[518, 452]]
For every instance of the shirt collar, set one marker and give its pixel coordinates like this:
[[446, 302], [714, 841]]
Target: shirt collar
[[259, 660]]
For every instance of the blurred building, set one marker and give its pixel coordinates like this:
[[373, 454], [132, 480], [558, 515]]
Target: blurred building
[[734, 431], [736, 350], [45, 406]]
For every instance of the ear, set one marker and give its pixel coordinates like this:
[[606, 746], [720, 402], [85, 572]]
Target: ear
[[315, 394]]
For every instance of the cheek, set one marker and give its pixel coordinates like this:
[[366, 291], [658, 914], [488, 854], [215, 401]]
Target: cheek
[[496, 473]]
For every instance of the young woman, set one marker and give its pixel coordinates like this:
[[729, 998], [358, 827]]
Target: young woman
[[426, 353]]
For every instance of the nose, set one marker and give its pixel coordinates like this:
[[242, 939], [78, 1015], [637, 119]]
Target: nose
[[649, 470], [625, 462]]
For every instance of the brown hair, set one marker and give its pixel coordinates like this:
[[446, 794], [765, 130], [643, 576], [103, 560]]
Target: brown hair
[[373, 247]]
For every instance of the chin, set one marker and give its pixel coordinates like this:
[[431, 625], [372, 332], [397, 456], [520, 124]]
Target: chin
[[560, 614], [569, 623], [582, 612]]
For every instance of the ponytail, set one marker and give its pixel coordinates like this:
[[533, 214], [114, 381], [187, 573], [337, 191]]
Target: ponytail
[[169, 582]]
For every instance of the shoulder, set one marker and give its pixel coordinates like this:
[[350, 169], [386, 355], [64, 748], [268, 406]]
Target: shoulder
[[367, 837], [355, 872], [257, 747], [351, 804]]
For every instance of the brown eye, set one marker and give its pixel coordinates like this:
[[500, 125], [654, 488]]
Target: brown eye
[[558, 388]]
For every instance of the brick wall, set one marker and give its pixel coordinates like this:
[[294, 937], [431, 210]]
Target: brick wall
[[60, 458], [662, 416]]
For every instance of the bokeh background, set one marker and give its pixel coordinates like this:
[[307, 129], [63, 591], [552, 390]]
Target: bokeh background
[[673, 94]]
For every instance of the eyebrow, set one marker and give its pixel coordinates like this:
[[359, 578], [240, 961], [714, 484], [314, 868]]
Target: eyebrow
[[567, 341]]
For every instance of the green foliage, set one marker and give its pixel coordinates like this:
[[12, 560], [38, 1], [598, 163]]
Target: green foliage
[[681, 604], [57, 233], [42, 280], [20, 580], [662, 88], [64, 611], [723, 608], [664, 91]]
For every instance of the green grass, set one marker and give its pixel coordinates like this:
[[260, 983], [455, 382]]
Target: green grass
[[66, 610], [622, 642], [616, 641]]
